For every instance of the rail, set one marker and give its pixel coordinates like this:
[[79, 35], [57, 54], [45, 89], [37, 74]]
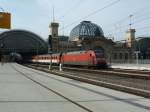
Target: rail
[[138, 86]]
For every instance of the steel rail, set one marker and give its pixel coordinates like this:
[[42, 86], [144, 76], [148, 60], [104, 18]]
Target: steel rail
[[49, 89]]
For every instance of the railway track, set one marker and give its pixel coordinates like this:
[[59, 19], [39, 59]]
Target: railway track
[[133, 71], [136, 85], [138, 74]]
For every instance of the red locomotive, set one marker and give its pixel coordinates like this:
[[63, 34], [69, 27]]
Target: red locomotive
[[78, 58]]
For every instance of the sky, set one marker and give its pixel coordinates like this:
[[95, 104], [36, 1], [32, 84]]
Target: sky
[[113, 16]]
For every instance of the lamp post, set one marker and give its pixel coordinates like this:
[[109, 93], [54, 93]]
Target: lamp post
[[50, 51], [1, 50], [137, 56], [37, 53], [50, 65]]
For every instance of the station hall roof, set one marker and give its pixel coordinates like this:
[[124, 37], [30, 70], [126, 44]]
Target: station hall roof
[[22, 41], [143, 44]]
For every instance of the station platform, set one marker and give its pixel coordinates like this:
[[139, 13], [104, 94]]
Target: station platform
[[131, 66], [24, 89]]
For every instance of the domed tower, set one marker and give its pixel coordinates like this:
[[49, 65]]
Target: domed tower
[[86, 29]]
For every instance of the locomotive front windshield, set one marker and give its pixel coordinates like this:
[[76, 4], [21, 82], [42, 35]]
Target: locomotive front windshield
[[99, 53]]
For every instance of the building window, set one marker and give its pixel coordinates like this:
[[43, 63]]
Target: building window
[[120, 55], [126, 55], [115, 55]]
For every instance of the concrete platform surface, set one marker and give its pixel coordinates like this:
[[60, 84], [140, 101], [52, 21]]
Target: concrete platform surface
[[131, 66], [19, 94]]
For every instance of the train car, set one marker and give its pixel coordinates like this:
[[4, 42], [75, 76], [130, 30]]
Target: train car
[[54, 58], [84, 58], [76, 58]]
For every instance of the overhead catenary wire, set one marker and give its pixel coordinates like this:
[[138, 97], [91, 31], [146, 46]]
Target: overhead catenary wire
[[144, 28], [61, 18], [126, 25], [94, 12], [75, 6], [136, 15], [138, 21], [126, 18], [120, 32], [139, 18]]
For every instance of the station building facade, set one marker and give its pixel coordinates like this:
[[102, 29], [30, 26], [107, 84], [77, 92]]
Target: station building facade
[[90, 36]]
